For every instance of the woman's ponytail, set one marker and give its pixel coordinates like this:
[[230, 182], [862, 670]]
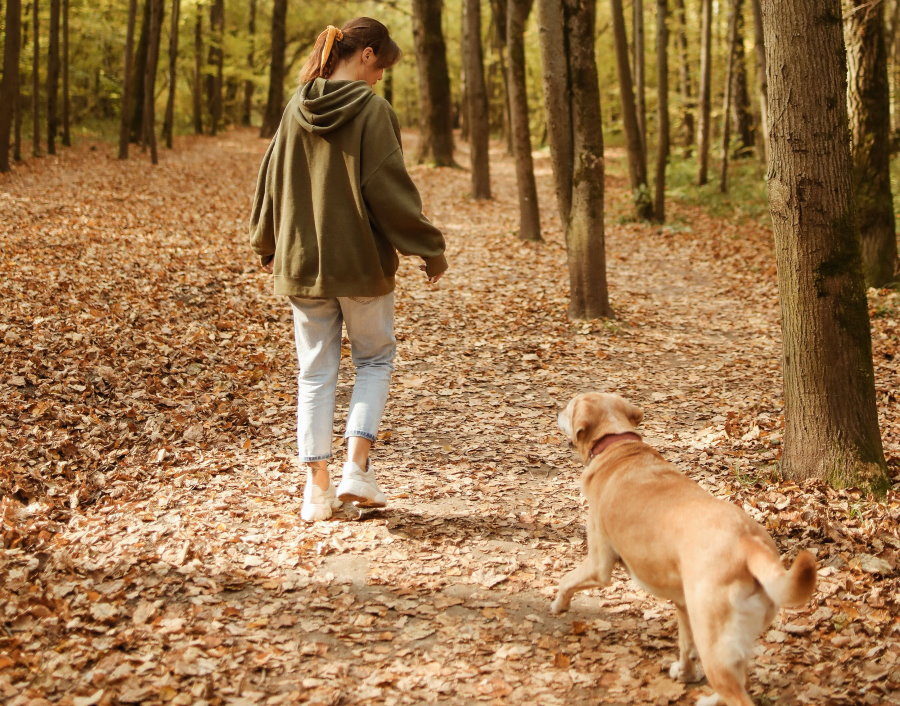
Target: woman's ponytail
[[333, 45]]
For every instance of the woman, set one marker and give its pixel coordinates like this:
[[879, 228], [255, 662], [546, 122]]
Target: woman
[[334, 203]]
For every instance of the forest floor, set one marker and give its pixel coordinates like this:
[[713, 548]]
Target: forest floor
[[152, 550]]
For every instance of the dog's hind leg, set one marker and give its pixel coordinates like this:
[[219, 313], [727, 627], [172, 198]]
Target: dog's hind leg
[[687, 667], [594, 572]]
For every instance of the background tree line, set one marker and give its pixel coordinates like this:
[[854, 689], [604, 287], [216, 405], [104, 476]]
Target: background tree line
[[690, 78]]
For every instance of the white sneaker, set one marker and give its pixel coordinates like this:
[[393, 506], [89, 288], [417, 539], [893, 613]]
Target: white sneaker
[[318, 504], [359, 487]]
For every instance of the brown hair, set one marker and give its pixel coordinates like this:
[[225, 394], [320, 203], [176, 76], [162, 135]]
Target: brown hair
[[355, 35]]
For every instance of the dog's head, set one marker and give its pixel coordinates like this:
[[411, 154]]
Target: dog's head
[[593, 415]]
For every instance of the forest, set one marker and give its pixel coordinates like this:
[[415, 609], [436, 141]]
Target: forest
[[689, 203]]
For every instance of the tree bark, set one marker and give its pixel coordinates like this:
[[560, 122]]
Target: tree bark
[[684, 82], [529, 216], [761, 81], [640, 71], [499, 13], [831, 423], [215, 60], [249, 86], [18, 109], [435, 111], [140, 75], [662, 83], [275, 99], [868, 99], [729, 85], [149, 121], [637, 157], [9, 88], [576, 145], [703, 136], [169, 119], [479, 126], [197, 85], [66, 120], [740, 95], [127, 82], [53, 78], [35, 80]]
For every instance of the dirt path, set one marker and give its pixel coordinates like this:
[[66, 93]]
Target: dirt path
[[153, 548]]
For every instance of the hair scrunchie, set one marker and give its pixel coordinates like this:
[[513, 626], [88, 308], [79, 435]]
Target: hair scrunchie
[[332, 34]]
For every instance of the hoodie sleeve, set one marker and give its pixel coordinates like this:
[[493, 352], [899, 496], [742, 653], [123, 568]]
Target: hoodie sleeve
[[262, 217]]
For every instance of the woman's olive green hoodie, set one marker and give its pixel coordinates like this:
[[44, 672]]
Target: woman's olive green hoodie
[[334, 202]]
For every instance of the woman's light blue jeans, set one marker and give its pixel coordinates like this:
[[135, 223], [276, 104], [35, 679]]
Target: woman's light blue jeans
[[317, 333]]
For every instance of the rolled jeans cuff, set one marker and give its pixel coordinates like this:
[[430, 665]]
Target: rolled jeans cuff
[[363, 434]]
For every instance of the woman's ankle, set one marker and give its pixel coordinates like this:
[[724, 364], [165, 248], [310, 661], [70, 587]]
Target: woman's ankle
[[318, 472]]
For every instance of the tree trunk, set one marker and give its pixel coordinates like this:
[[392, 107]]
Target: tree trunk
[[740, 95], [868, 100], [460, 119], [275, 99], [197, 90], [140, 64], [169, 119], [703, 136], [18, 110], [36, 80], [215, 59], [529, 217], [127, 82], [576, 145], [53, 78], [499, 12], [684, 82], [640, 71], [662, 83], [761, 81], [149, 121], [435, 110], [479, 127], [247, 109], [729, 85], [387, 86], [66, 133], [831, 423], [9, 88], [637, 157]]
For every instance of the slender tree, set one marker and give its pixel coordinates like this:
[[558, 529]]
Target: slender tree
[[139, 76], [741, 115], [249, 85], [18, 110], [637, 156], [435, 110], [66, 119], [197, 83], [640, 70], [761, 82], [53, 78], [529, 217], [831, 422], [499, 12], [684, 80], [479, 127], [662, 84], [127, 82], [868, 98], [572, 100], [169, 118], [275, 100], [215, 62], [36, 80], [387, 86], [9, 88], [703, 136], [149, 122], [729, 86]]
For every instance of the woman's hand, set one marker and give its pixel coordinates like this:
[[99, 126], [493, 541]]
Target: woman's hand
[[431, 280]]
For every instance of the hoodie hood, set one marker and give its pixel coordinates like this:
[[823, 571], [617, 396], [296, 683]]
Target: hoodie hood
[[323, 106]]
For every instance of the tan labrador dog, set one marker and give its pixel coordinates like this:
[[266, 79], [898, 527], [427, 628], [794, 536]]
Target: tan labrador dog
[[719, 567]]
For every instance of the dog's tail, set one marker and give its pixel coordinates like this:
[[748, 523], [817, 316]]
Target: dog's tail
[[785, 588]]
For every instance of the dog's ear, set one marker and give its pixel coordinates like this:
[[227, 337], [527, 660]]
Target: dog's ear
[[635, 414], [584, 426]]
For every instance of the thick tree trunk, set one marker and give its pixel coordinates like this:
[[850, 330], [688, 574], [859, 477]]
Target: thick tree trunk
[[435, 109], [247, 108], [761, 81], [149, 122], [637, 157], [127, 81], [831, 423], [215, 60], [869, 108], [529, 216], [9, 88], [53, 78], [169, 119], [66, 119], [662, 83], [275, 99], [479, 125], [576, 144], [729, 86], [685, 84], [740, 95], [703, 131], [140, 64], [36, 80], [20, 102], [197, 90]]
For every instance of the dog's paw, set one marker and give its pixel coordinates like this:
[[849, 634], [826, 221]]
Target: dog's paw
[[692, 673], [559, 605], [711, 700]]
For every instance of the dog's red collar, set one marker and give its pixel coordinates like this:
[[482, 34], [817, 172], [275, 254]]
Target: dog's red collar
[[604, 442]]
